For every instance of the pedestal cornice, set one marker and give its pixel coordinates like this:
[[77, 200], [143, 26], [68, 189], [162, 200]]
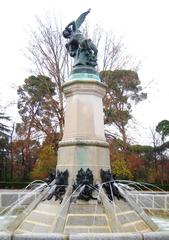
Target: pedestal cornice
[[95, 143], [90, 87]]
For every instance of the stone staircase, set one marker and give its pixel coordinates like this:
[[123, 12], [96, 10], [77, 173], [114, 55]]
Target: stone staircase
[[129, 219], [86, 217], [41, 219]]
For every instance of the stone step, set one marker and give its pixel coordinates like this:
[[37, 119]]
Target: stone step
[[83, 202], [137, 226], [124, 213], [86, 208], [40, 219], [127, 217], [122, 206], [48, 207], [32, 226], [22, 231], [37, 223], [86, 219], [84, 229], [45, 213]]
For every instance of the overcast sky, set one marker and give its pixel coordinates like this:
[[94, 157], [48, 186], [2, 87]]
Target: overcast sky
[[144, 25]]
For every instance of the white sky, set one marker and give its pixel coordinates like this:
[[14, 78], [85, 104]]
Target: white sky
[[143, 23]]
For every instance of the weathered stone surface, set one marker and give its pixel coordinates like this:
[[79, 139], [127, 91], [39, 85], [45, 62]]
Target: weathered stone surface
[[86, 208], [40, 217], [149, 221], [122, 236], [134, 197], [83, 156], [41, 229], [128, 217], [84, 111], [39, 236], [83, 144], [27, 198], [1, 201], [49, 206], [151, 201], [8, 199], [145, 201], [167, 202], [86, 230], [86, 220], [159, 202], [86, 217], [5, 236], [107, 236], [139, 226], [79, 235], [156, 236], [26, 226], [122, 206]]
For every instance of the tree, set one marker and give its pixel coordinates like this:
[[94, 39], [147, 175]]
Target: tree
[[46, 162], [163, 129], [155, 160], [4, 129], [46, 50], [123, 90], [136, 166], [156, 141], [37, 107], [4, 157], [133, 168], [112, 53], [121, 169], [24, 160], [4, 145], [143, 161]]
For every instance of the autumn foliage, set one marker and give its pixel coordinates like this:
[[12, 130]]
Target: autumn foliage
[[45, 163]]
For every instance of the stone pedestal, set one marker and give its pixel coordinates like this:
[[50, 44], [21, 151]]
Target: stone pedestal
[[84, 144]]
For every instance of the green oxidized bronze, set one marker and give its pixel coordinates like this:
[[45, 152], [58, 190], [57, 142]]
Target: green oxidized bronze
[[80, 48]]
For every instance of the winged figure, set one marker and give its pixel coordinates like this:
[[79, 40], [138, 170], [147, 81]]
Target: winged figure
[[83, 50], [74, 26]]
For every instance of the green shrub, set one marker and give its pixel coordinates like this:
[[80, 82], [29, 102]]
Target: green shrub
[[13, 185]]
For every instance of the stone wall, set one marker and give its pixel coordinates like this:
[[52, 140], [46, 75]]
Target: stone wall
[[155, 201], [8, 197]]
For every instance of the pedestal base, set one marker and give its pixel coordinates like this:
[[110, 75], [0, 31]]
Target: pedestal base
[[74, 155]]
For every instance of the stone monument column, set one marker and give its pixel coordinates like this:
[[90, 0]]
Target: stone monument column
[[84, 144]]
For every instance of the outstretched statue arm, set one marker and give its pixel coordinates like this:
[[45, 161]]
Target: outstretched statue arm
[[81, 18]]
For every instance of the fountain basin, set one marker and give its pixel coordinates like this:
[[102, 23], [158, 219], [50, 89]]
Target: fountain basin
[[87, 236]]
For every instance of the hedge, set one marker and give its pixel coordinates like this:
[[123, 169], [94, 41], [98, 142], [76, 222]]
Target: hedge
[[13, 185], [164, 187]]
